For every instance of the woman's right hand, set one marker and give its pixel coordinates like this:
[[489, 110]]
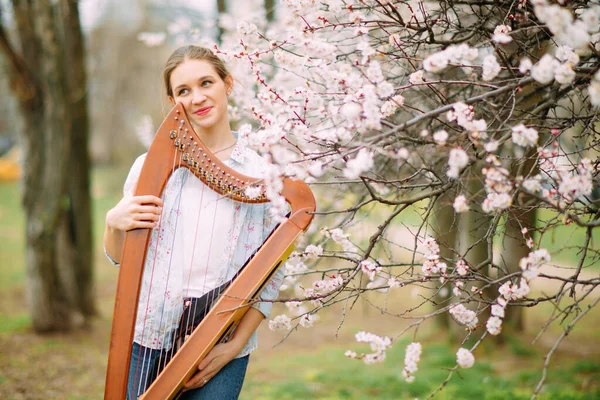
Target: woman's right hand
[[134, 212]]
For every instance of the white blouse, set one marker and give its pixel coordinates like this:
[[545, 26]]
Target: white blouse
[[201, 241]]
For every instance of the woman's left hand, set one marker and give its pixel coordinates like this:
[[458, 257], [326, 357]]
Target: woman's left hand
[[216, 359]]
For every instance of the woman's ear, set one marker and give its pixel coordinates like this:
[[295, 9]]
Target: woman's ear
[[228, 84], [171, 100]]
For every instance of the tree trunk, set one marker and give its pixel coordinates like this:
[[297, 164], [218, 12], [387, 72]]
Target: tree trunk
[[78, 185], [270, 10], [474, 233], [221, 9], [57, 206], [444, 225], [515, 241]]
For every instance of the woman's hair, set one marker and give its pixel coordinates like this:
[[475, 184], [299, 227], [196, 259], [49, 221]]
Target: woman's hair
[[191, 52]]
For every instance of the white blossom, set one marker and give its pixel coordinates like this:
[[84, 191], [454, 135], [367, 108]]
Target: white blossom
[[501, 35], [494, 325], [564, 74], [458, 288], [307, 320], [351, 111], [543, 70], [325, 286], [389, 107], [579, 184], [385, 89], [403, 153], [393, 282], [491, 146], [350, 354], [313, 251], [533, 184], [594, 92], [361, 163], [245, 28], [464, 316], [436, 62], [491, 68], [411, 361], [460, 204], [566, 54], [524, 136], [498, 310], [457, 161], [440, 137], [496, 202], [576, 36], [525, 65], [295, 307], [591, 19], [379, 345], [374, 72], [280, 323], [416, 77], [464, 358]]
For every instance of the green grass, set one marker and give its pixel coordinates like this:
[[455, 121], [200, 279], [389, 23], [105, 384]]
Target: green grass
[[12, 236], [326, 374]]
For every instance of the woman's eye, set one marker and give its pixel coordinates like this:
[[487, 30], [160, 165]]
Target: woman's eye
[[206, 83], [182, 92]]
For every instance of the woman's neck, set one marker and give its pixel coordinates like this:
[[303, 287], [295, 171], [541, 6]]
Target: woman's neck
[[218, 139]]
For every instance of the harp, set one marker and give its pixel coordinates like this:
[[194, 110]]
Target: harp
[[171, 150]]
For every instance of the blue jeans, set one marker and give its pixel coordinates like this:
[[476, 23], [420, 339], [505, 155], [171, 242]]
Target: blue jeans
[[226, 385]]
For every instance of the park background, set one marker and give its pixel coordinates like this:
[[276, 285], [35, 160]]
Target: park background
[[125, 99]]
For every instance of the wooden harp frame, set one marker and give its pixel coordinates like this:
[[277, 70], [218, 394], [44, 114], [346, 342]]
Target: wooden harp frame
[[176, 145]]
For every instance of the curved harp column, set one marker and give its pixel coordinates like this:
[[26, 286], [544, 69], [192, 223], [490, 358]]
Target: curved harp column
[[176, 145]]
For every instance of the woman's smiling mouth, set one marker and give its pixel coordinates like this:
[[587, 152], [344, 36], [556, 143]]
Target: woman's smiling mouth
[[203, 111]]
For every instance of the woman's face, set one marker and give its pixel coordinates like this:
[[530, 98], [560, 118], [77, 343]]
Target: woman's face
[[199, 88]]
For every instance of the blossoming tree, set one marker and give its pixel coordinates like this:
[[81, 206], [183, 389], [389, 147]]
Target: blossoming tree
[[468, 117]]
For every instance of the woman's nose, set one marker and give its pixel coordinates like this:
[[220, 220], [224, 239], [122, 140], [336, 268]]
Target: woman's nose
[[198, 97]]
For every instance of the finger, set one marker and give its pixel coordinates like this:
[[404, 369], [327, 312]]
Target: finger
[[149, 199], [142, 225], [148, 217], [147, 209], [196, 381]]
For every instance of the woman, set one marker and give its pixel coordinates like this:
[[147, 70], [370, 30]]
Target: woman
[[189, 256]]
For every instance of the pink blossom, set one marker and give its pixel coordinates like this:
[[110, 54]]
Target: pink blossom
[[370, 268], [461, 267]]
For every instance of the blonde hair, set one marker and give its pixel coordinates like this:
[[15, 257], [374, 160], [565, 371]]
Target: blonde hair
[[192, 52]]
